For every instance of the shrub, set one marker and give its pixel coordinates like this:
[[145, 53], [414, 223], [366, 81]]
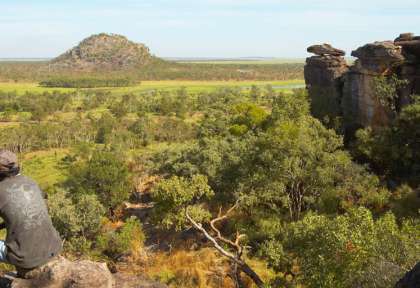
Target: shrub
[[345, 251], [128, 239], [175, 194], [105, 174], [78, 220]]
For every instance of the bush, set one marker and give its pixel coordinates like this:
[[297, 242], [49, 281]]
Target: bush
[[128, 239], [63, 214], [393, 150], [105, 175], [175, 194], [77, 220], [346, 250]]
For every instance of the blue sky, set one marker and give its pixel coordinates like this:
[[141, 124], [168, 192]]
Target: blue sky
[[204, 28]]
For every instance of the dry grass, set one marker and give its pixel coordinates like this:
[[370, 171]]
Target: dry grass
[[203, 268], [198, 269]]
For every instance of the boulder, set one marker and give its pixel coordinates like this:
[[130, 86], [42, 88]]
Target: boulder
[[378, 57], [63, 273], [410, 45], [405, 37], [411, 279], [325, 49]]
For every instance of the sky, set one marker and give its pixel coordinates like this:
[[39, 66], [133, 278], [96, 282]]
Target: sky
[[204, 28]]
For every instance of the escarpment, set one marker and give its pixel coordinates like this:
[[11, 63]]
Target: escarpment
[[347, 91]]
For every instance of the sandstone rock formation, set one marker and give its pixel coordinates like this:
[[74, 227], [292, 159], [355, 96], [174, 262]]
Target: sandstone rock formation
[[349, 92], [360, 106], [325, 49], [323, 77], [62, 273]]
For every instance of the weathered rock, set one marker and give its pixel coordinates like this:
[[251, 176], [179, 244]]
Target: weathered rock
[[410, 47], [405, 37], [62, 273], [361, 107], [378, 57], [323, 76], [325, 49], [338, 90], [411, 279]]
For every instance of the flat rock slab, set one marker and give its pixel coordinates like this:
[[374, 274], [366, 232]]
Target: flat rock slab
[[382, 52], [325, 49]]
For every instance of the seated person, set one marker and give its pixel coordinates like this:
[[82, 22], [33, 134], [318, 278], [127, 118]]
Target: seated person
[[31, 239]]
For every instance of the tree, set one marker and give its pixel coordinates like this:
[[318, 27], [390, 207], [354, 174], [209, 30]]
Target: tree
[[247, 116], [175, 194], [77, 219], [386, 89], [180, 203], [394, 150], [255, 93], [106, 124], [351, 250], [105, 174]]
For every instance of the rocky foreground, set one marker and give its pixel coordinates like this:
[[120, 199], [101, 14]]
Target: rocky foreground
[[63, 273]]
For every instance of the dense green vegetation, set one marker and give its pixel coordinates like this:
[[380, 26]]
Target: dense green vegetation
[[311, 214], [85, 82], [160, 70]]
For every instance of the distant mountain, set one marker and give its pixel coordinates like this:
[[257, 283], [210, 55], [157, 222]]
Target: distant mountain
[[104, 51]]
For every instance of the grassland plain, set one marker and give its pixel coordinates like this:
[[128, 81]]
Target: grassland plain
[[244, 61], [45, 166], [168, 85]]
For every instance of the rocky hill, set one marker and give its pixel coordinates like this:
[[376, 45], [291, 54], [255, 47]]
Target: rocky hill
[[104, 51]]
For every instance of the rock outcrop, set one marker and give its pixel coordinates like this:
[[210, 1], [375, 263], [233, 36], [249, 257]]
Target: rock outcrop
[[324, 79], [325, 49], [360, 106], [411, 279], [63, 273], [349, 92]]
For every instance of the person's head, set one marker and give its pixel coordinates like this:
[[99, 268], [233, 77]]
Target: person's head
[[9, 165]]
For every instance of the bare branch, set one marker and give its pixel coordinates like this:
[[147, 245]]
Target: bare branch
[[216, 245], [236, 259], [219, 236]]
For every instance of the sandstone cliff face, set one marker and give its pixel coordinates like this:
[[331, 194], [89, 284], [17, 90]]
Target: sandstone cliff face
[[360, 106], [348, 92], [323, 77]]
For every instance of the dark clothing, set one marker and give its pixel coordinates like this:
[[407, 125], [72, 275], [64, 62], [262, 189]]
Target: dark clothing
[[31, 238]]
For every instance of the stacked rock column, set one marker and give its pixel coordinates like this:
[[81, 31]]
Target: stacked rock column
[[324, 80]]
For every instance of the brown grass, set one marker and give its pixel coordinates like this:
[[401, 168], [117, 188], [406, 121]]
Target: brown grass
[[203, 268]]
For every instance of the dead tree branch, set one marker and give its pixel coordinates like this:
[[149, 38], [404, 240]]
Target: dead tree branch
[[234, 258]]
